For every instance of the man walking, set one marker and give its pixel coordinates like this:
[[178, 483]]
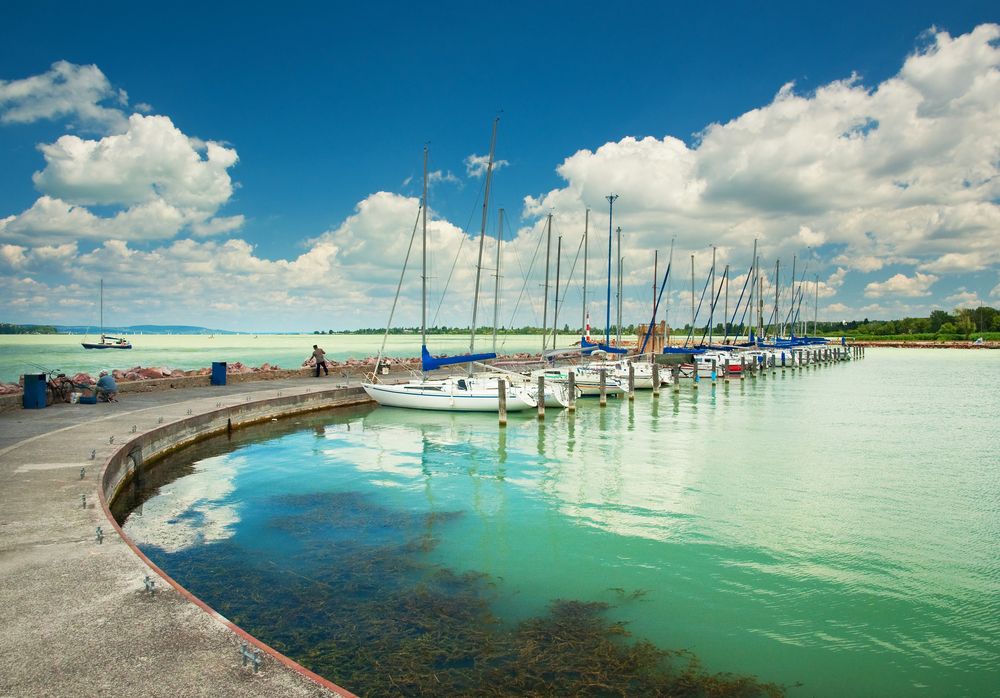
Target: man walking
[[320, 356]]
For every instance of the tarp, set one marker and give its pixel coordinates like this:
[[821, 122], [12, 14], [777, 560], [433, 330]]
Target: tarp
[[429, 363], [591, 346]]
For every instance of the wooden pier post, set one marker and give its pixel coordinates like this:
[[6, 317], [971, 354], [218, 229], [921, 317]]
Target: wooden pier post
[[502, 399], [604, 387], [571, 384], [675, 375], [743, 367], [774, 365], [541, 398], [782, 360], [631, 381], [715, 371], [696, 378], [656, 379]]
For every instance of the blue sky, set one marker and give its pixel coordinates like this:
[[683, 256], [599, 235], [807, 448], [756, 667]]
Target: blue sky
[[269, 173]]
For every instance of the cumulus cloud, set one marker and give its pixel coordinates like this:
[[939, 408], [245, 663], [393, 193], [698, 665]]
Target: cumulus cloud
[[476, 165], [964, 299], [901, 285], [65, 91], [161, 182]]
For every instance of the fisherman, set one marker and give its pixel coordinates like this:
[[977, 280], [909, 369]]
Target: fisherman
[[320, 357], [107, 389]]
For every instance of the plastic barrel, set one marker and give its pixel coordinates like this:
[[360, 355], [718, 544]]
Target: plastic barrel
[[34, 391], [218, 373]]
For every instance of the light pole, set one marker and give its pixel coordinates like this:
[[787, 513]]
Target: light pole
[[607, 320]]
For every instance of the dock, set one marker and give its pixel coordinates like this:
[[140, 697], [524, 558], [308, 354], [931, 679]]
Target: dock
[[83, 612]]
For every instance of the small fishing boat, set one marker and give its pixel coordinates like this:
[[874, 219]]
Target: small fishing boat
[[106, 341]]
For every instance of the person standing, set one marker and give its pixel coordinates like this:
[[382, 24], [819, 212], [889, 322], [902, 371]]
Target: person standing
[[320, 357]]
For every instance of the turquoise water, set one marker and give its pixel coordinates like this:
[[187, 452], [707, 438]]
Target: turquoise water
[[835, 528], [20, 354]]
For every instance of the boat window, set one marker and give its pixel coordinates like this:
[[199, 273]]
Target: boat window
[[461, 384]]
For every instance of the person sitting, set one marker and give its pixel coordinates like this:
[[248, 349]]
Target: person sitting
[[107, 389]]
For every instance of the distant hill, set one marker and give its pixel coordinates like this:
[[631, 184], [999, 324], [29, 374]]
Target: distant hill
[[142, 329]]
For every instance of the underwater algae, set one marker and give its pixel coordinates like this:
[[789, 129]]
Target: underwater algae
[[352, 598]]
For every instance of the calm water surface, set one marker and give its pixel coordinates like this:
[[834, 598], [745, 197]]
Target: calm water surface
[[836, 528], [20, 354]]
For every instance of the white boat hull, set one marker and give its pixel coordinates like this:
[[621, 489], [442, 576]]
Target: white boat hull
[[445, 397]]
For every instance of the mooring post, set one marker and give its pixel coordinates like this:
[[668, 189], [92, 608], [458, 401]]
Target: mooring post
[[715, 371], [743, 367], [695, 379], [656, 379], [604, 387], [782, 359], [502, 400], [774, 365], [541, 398], [631, 381], [675, 377], [571, 397]]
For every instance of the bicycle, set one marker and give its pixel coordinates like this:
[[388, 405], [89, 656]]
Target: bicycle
[[59, 386]]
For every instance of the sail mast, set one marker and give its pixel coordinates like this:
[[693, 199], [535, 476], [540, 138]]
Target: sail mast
[[607, 319], [586, 245], [482, 237], [496, 287], [423, 267], [555, 305], [545, 300], [102, 310]]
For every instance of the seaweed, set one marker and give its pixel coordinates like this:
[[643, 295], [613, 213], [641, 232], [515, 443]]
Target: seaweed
[[364, 607]]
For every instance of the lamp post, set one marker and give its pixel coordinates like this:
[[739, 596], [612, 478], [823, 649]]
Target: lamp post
[[607, 321]]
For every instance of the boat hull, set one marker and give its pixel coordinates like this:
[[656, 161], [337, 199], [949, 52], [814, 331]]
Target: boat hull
[[89, 345], [440, 398]]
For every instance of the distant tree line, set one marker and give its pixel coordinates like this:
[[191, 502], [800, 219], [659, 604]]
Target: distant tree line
[[963, 323], [8, 328]]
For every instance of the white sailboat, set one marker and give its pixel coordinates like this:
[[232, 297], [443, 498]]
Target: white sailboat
[[106, 341], [453, 393]]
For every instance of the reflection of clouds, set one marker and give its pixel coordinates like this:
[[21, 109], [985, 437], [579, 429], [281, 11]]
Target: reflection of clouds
[[189, 511]]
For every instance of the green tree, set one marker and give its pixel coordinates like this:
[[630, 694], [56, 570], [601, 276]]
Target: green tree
[[939, 318]]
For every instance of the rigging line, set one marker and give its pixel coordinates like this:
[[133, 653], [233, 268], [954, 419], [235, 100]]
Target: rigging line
[[458, 252], [737, 308], [562, 301], [525, 284], [399, 286], [694, 320]]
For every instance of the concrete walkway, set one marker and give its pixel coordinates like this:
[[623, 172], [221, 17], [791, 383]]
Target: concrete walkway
[[75, 618]]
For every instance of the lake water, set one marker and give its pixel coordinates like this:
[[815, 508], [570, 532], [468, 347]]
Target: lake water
[[20, 354], [835, 530]]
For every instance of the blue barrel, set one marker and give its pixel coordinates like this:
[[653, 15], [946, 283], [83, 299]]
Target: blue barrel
[[218, 373], [34, 391]]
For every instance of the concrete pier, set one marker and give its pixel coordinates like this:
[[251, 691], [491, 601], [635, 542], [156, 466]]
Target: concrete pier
[[76, 616]]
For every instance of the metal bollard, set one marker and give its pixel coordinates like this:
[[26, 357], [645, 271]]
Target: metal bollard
[[93, 454], [100, 535], [111, 439], [150, 585], [160, 420], [83, 501], [83, 473], [134, 427], [253, 657]]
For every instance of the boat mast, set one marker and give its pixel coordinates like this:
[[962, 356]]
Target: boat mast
[[725, 317], [545, 300], [482, 238], [777, 290], [618, 294], [607, 319], [423, 267], [816, 307], [656, 259], [711, 307], [555, 304], [496, 287], [586, 245], [691, 333], [791, 308], [753, 288], [102, 310]]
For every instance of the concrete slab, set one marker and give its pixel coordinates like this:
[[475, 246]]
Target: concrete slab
[[76, 617]]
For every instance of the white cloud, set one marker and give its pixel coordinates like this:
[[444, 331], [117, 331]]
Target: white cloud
[[811, 238], [66, 90], [901, 285], [161, 181], [964, 299], [476, 165], [958, 262]]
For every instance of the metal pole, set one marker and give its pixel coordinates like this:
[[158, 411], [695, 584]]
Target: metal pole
[[545, 302], [555, 305], [653, 328], [711, 306], [607, 320], [482, 239], [586, 247], [423, 268], [496, 287]]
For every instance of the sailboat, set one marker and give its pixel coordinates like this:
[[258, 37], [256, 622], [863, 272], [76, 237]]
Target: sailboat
[[452, 393], [107, 341]]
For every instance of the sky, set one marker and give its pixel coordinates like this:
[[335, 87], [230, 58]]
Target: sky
[[259, 168]]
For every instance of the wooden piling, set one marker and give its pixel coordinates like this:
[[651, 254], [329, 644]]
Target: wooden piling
[[604, 387], [656, 379], [675, 375], [631, 381], [743, 367], [571, 384], [502, 399], [541, 398], [715, 371]]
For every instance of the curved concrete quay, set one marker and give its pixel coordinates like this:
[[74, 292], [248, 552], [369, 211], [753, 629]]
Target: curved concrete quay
[[75, 616]]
